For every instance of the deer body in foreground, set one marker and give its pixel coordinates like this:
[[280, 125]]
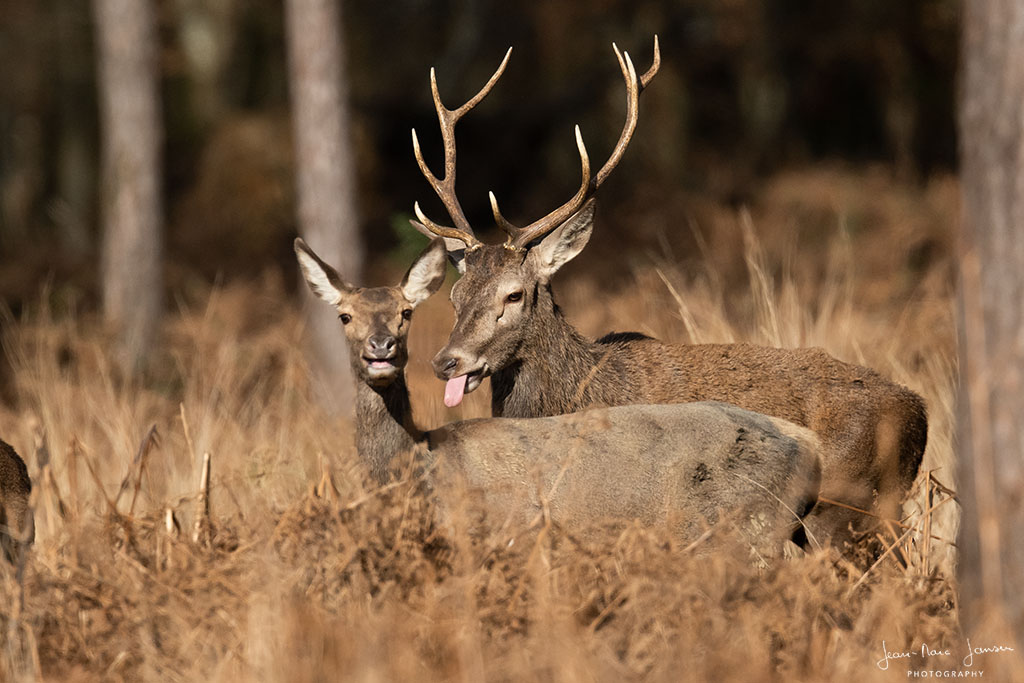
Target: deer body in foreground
[[681, 465], [17, 528], [508, 327]]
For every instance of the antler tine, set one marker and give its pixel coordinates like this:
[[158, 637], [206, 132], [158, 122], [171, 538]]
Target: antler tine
[[500, 220], [632, 112], [475, 100], [467, 238], [655, 65], [445, 188], [545, 225]]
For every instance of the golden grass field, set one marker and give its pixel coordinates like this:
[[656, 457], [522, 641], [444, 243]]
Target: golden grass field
[[286, 584]]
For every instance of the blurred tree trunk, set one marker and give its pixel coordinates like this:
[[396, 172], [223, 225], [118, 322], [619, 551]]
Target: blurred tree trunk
[[991, 402], [76, 170], [324, 161], [132, 137]]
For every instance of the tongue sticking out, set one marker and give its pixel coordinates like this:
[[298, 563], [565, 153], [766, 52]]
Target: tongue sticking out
[[454, 390]]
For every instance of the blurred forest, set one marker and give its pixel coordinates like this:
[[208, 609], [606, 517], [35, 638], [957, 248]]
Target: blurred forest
[[748, 88]]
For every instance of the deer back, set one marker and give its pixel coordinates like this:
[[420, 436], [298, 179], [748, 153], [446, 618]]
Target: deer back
[[686, 466]]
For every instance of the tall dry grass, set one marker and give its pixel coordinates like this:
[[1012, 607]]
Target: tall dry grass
[[308, 572]]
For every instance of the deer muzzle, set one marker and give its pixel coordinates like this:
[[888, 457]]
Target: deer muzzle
[[380, 355], [460, 380]]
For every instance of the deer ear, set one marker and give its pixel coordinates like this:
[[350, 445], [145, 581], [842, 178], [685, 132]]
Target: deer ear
[[564, 243], [426, 274], [321, 278], [456, 248]]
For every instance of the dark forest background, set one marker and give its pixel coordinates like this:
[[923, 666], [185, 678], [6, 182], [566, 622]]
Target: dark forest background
[[747, 88]]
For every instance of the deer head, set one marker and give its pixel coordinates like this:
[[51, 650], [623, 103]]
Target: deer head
[[504, 286], [376, 319]]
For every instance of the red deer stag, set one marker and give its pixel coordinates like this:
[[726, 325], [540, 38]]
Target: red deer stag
[[508, 328]]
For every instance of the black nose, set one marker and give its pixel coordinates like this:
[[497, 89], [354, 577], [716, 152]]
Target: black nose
[[443, 366], [381, 344]]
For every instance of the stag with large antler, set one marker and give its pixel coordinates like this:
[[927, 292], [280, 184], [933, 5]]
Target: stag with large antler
[[682, 466], [509, 328]]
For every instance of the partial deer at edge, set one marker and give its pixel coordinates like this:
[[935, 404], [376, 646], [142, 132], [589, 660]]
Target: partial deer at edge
[[680, 465], [17, 528], [509, 328]]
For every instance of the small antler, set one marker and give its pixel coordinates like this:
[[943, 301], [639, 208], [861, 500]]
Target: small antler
[[445, 187], [519, 238]]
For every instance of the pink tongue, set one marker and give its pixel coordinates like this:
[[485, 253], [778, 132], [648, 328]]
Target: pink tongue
[[453, 391]]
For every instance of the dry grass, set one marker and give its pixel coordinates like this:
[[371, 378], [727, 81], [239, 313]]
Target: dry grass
[[292, 584]]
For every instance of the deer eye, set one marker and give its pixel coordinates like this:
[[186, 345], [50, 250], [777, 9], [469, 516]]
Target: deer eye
[[345, 318], [514, 297], [407, 314]]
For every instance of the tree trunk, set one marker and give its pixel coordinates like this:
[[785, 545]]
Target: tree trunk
[[991, 401], [76, 171], [328, 217], [126, 43]]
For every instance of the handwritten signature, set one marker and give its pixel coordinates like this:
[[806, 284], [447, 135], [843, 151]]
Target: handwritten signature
[[926, 652]]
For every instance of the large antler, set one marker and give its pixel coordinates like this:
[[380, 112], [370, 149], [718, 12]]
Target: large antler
[[519, 238], [445, 187]]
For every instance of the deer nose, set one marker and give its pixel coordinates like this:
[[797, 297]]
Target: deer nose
[[381, 345], [444, 365]]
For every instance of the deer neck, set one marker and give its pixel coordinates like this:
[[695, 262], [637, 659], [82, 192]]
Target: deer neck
[[553, 372], [384, 424]]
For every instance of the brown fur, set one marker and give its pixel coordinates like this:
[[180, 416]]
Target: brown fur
[[873, 431], [681, 465], [684, 465], [17, 527]]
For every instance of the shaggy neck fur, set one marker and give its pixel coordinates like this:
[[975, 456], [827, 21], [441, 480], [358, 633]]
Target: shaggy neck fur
[[384, 425], [556, 370]]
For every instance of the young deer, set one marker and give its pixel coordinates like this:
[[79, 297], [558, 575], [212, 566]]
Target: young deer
[[681, 465], [508, 328], [17, 528]]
